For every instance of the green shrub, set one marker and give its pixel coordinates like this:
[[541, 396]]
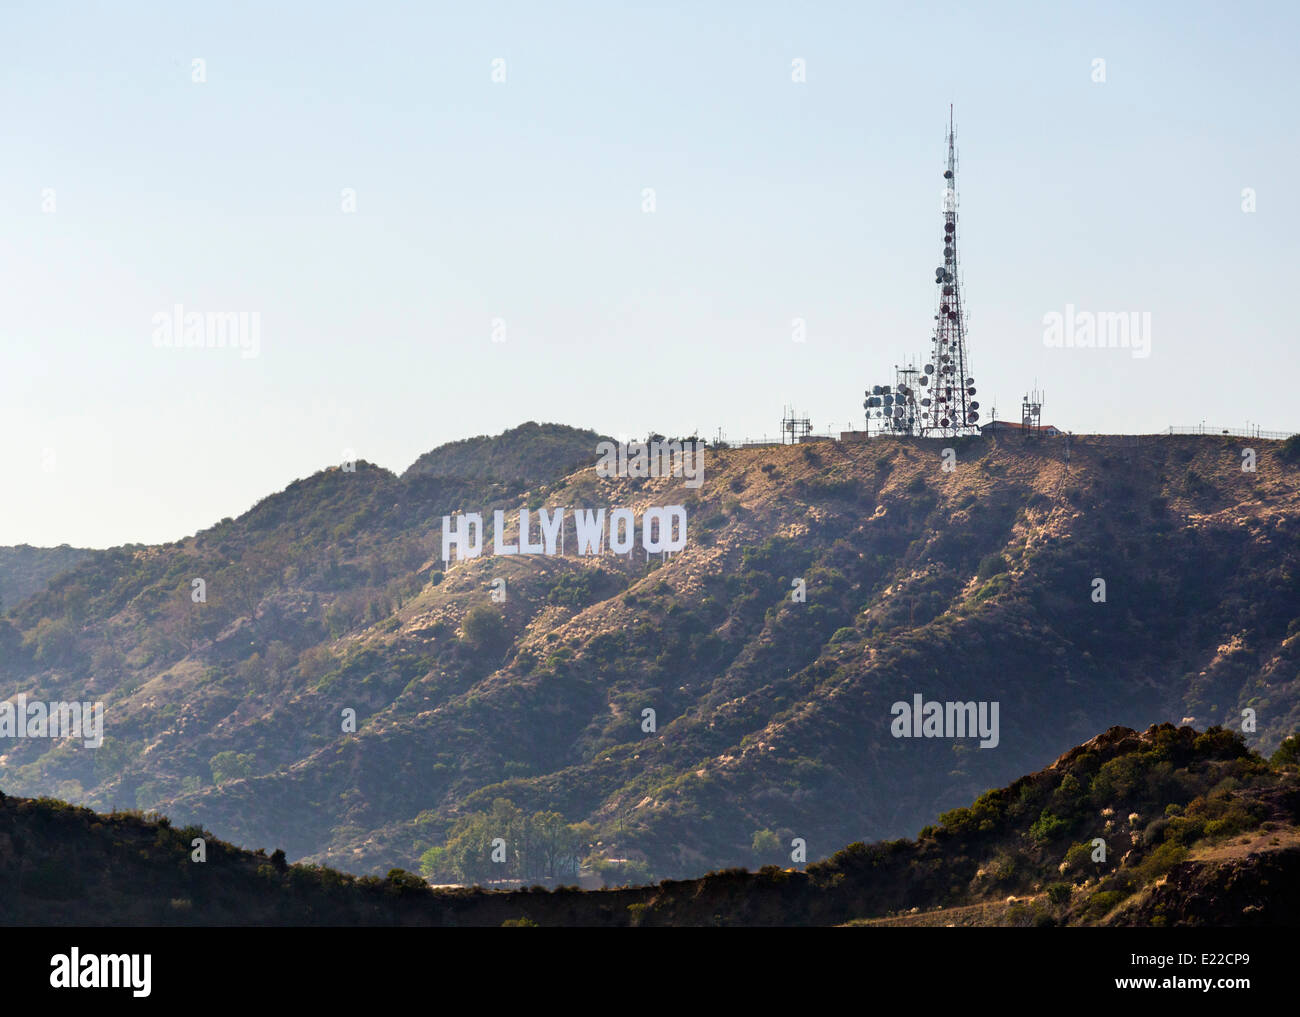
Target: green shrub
[[991, 566], [1288, 753], [231, 765], [1102, 903], [1058, 894], [992, 588], [1289, 450], [1047, 827], [1160, 861], [572, 590], [1079, 858], [1068, 797], [1006, 868], [400, 881], [484, 628], [1155, 831]]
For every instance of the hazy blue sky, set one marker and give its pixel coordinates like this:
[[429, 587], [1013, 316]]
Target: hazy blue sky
[[523, 201]]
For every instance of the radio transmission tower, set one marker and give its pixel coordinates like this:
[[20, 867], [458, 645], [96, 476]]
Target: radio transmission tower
[[948, 405]]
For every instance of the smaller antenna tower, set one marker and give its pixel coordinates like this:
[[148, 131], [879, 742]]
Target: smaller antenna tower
[[879, 404], [907, 417], [796, 428], [1031, 414], [892, 409]]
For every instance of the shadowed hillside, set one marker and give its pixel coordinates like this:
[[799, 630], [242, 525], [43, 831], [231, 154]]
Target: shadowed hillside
[[25, 570], [1196, 831]]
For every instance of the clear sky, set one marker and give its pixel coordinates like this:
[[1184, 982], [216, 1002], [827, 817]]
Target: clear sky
[[128, 187]]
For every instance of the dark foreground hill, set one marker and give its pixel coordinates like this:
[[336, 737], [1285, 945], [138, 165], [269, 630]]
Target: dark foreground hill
[[1169, 827], [664, 717]]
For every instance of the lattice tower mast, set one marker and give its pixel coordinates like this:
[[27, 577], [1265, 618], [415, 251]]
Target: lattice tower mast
[[948, 404]]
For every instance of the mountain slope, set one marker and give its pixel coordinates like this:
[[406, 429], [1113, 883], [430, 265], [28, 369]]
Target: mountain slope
[[531, 453], [772, 716]]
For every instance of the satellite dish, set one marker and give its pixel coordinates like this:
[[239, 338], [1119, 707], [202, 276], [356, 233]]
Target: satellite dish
[[974, 406], [947, 253], [875, 390], [971, 390], [925, 402], [943, 422], [970, 381], [947, 174], [929, 368], [948, 227], [972, 416]]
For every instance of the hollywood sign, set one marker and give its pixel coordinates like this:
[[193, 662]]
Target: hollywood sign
[[662, 530]]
